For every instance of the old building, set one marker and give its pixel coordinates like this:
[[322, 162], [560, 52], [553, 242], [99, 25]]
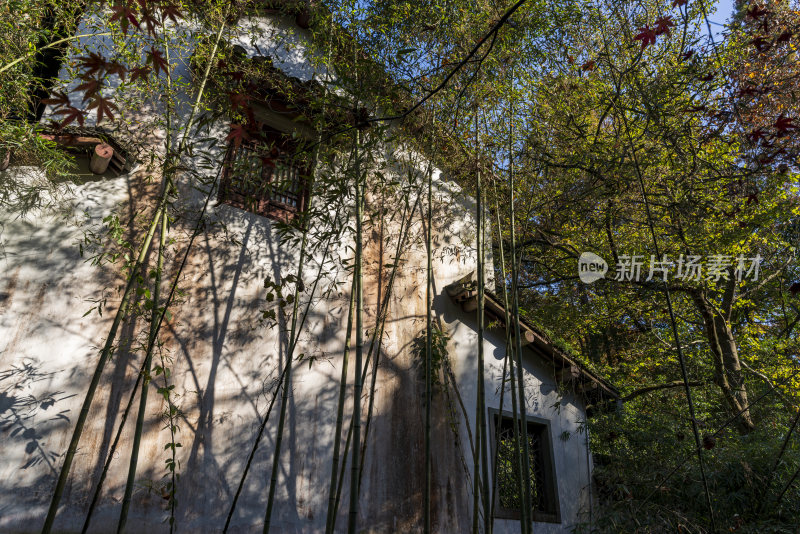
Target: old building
[[225, 340]]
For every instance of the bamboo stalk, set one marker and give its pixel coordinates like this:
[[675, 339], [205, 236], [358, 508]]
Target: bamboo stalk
[[139, 375], [121, 311], [506, 359], [287, 384], [330, 519], [111, 451], [173, 413], [167, 143], [786, 440], [428, 355], [253, 450], [481, 404], [479, 401], [357, 387], [340, 481], [281, 378], [526, 459], [377, 334], [155, 322], [105, 354], [287, 379], [148, 359], [50, 45]]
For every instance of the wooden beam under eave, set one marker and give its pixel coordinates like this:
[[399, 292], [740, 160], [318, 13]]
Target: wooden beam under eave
[[586, 386], [284, 123], [569, 373]]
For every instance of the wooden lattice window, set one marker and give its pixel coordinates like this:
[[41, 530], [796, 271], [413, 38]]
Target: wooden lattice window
[[544, 492], [267, 177]]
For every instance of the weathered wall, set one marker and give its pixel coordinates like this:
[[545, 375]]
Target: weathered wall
[[224, 367]]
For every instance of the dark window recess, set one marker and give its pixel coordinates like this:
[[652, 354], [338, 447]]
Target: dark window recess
[[266, 177], [544, 494]]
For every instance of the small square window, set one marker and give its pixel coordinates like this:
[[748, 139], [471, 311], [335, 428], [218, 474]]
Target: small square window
[[267, 177], [544, 491]]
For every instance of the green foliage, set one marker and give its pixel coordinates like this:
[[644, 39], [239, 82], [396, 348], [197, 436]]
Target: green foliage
[[647, 479], [439, 354]]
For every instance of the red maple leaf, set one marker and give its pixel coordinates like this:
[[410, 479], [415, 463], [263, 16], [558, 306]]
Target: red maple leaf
[[235, 75], [59, 99], [125, 15], [89, 88], [103, 106], [237, 134], [647, 36], [115, 67], [756, 12], [794, 289], [70, 114], [589, 65], [157, 60], [747, 91], [761, 44], [663, 24], [139, 72], [239, 100], [783, 124], [150, 22], [92, 63], [759, 134], [171, 11]]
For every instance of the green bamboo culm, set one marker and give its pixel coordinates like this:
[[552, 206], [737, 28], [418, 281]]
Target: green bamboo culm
[[155, 321], [125, 413], [378, 332], [428, 352], [352, 522], [107, 349], [380, 323], [508, 362], [265, 418], [105, 354], [525, 475], [330, 519], [112, 450], [148, 359], [285, 389], [293, 336], [478, 453], [481, 404]]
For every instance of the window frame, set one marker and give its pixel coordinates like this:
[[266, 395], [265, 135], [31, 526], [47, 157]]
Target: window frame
[[543, 428], [266, 205]]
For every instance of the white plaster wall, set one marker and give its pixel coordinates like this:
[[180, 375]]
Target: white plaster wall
[[566, 413], [225, 364]]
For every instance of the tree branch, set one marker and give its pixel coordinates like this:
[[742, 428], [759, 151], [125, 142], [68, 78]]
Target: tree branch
[[668, 385]]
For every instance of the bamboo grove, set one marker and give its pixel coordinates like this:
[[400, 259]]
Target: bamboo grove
[[616, 127]]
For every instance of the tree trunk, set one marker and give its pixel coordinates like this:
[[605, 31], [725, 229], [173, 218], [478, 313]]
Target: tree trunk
[[727, 368]]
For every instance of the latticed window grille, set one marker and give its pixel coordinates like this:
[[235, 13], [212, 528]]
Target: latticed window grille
[[542, 483], [265, 178]]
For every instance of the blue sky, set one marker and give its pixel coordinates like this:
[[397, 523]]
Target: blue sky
[[724, 9]]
